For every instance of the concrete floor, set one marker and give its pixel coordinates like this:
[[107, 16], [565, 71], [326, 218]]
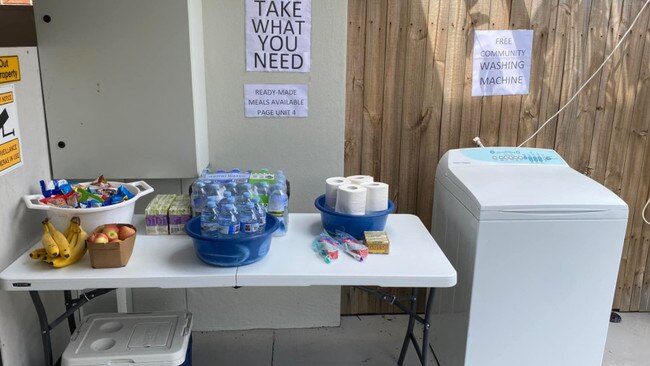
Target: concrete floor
[[374, 341]]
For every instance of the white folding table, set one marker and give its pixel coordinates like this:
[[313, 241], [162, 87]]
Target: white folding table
[[415, 261]]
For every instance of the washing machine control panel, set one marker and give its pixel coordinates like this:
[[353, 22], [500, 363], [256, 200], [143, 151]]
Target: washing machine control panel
[[506, 156]]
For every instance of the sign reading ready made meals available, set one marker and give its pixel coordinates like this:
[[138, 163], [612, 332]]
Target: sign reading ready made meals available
[[276, 100], [10, 149]]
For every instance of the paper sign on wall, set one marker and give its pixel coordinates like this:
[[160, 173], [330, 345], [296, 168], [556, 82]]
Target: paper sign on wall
[[502, 61], [276, 100], [10, 148], [278, 35]]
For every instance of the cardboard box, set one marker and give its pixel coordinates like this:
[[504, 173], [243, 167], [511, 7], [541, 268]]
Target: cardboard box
[[179, 214], [156, 214], [377, 242], [111, 255]]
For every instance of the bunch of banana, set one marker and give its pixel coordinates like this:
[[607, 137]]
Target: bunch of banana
[[61, 249]]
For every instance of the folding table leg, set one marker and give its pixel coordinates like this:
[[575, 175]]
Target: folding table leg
[[67, 294], [427, 327], [45, 327], [71, 306], [409, 329]]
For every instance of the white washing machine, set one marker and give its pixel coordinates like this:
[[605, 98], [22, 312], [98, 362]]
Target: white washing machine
[[536, 246]]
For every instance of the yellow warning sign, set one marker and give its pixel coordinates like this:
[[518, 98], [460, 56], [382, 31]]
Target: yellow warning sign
[[9, 154], [10, 147], [9, 69], [6, 98]]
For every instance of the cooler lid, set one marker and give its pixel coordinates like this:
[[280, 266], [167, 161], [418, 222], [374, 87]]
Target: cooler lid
[[524, 183], [158, 338]]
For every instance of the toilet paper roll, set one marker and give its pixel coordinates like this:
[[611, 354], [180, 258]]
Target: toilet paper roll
[[376, 196], [331, 187], [351, 199], [360, 179]]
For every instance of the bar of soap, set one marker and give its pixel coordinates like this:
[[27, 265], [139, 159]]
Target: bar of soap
[[377, 242]]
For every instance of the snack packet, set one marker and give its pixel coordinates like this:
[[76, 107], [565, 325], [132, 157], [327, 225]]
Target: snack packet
[[326, 247]]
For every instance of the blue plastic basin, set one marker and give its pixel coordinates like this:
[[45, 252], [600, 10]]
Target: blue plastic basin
[[230, 252], [352, 224]]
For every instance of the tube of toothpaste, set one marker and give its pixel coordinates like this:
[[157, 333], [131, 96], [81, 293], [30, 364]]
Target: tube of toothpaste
[[326, 248], [352, 246]]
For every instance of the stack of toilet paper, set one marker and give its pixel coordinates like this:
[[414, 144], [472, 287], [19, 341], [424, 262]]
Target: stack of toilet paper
[[356, 195]]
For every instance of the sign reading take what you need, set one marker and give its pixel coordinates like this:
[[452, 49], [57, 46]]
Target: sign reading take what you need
[[10, 149], [502, 61], [278, 35]]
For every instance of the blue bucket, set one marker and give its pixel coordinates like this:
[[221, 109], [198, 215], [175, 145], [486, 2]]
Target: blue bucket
[[352, 224], [231, 252]]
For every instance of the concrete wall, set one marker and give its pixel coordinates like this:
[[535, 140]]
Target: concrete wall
[[307, 149], [20, 228]]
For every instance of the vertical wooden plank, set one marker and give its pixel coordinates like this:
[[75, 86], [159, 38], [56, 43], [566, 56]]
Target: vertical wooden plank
[[607, 91], [553, 79], [354, 114], [452, 96], [479, 19], [621, 132], [375, 53], [582, 128], [395, 59], [397, 31], [567, 143], [354, 86], [491, 109], [431, 106], [511, 104], [529, 115], [605, 110], [637, 185], [635, 181], [411, 113], [375, 49]]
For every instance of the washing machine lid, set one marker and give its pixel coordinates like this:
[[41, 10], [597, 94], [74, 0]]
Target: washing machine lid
[[524, 183]]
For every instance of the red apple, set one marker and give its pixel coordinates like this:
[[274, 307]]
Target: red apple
[[98, 238], [112, 231], [125, 232]]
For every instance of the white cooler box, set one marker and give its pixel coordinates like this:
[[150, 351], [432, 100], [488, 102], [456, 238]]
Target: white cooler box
[[161, 339]]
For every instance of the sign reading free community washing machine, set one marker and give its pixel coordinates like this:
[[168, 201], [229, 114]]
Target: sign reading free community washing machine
[[502, 62]]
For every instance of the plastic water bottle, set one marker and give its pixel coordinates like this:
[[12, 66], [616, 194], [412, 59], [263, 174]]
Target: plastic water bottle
[[282, 179], [224, 200], [209, 219], [214, 189], [279, 207], [248, 219], [232, 188], [232, 201], [263, 193], [261, 213], [199, 197], [228, 221], [242, 200], [246, 187]]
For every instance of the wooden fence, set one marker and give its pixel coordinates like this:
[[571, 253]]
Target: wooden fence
[[409, 100]]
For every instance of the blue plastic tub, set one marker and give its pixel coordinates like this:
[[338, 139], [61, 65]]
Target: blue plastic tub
[[230, 252], [352, 224]]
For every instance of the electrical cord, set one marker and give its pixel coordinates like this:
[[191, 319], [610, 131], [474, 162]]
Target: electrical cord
[[643, 212], [629, 29]]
